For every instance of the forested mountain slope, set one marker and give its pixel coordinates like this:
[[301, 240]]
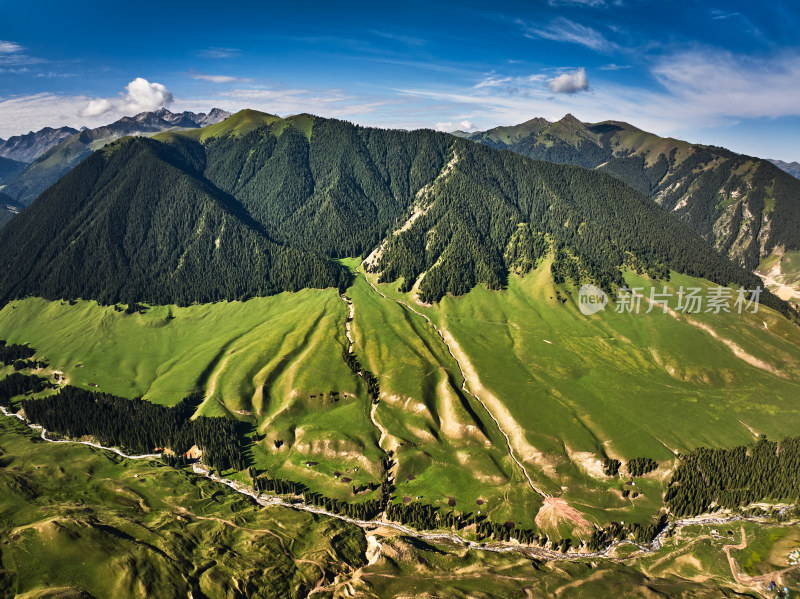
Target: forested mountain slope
[[743, 206], [130, 224], [9, 170], [140, 220]]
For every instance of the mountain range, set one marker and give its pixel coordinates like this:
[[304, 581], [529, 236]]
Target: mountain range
[[793, 168], [384, 328], [28, 147], [59, 158], [258, 204], [745, 207]]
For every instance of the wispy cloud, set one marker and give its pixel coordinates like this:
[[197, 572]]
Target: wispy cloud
[[403, 39], [9, 47], [723, 84], [324, 102], [591, 3], [721, 14], [13, 54], [614, 67], [30, 113], [220, 78], [216, 52], [565, 30]]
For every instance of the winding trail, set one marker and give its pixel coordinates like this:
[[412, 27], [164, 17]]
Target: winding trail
[[540, 553], [753, 581], [464, 385]]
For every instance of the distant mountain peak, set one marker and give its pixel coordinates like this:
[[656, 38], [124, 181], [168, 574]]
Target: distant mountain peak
[[537, 120], [793, 168], [28, 147], [570, 120]]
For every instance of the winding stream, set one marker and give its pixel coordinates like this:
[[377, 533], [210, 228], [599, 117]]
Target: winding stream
[[540, 553]]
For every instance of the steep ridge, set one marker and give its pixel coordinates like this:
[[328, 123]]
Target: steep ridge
[[133, 223], [28, 147], [745, 207], [333, 189]]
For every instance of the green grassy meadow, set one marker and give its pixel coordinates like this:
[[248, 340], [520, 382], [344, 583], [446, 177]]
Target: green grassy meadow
[[567, 389], [77, 522], [76, 519]]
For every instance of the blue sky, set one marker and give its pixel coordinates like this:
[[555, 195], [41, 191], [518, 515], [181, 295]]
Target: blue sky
[[724, 73]]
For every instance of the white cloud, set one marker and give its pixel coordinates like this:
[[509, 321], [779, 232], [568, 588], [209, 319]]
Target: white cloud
[[569, 83], [144, 96], [12, 54], [96, 107], [565, 30], [220, 78], [141, 96], [450, 126], [219, 52], [9, 47]]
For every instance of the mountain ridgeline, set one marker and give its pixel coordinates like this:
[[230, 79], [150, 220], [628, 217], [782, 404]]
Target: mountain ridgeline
[[257, 204], [744, 207], [57, 159], [28, 147]]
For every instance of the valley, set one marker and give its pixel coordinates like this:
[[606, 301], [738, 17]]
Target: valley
[[201, 299], [459, 428]]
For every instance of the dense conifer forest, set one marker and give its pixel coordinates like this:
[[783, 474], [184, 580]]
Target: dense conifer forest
[[20, 384], [191, 219], [138, 425], [130, 224], [733, 478]]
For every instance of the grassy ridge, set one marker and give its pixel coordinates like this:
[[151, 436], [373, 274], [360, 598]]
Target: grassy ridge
[[168, 351], [135, 528], [81, 519], [570, 390], [620, 385]]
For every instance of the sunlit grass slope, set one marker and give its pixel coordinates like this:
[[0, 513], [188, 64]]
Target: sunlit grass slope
[[619, 385], [568, 390]]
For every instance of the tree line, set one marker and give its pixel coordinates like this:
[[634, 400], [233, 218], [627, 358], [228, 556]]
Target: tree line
[[139, 426], [708, 479], [16, 384], [10, 353]]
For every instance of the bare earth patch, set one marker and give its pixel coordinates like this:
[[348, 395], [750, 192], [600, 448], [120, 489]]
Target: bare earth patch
[[556, 510]]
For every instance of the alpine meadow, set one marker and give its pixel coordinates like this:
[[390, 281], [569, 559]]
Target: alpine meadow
[[302, 313]]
